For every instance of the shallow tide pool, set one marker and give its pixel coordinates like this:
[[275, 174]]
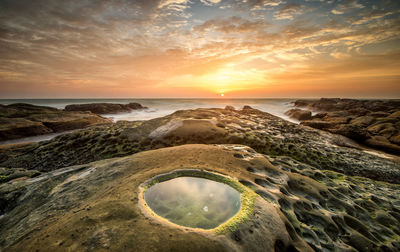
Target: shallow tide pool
[[193, 202]]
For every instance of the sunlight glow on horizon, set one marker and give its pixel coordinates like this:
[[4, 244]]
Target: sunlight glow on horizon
[[184, 48]]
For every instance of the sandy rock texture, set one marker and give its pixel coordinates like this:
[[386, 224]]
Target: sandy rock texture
[[24, 120], [96, 206], [375, 123], [265, 133]]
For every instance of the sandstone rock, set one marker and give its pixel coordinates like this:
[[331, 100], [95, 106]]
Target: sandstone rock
[[379, 114], [318, 124], [99, 206], [11, 128], [357, 119], [351, 131], [245, 107], [24, 120], [395, 115], [104, 108], [320, 115], [378, 128], [363, 121], [264, 132], [383, 143], [228, 107], [395, 139], [299, 114]]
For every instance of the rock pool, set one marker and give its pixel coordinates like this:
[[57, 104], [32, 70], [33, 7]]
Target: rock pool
[[193, 202]]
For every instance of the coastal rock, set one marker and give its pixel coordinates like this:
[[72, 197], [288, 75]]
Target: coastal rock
[[228, 107], [365, 121], [382, 143], [98, 206], [299, 114], [317, 124], [104, 108], [246, 107], [24, 120], [263, 132], [11, 128]]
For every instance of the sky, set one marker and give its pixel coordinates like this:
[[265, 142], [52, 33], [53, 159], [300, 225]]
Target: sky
[[204, 48]]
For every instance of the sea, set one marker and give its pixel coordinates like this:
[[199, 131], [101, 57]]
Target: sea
[[157, 108]]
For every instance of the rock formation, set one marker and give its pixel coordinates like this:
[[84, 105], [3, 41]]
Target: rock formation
[[313, 190], [23, 120], [375, 123], [104, 108]]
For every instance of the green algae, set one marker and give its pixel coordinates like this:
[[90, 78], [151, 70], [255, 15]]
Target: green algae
[[247, 196]]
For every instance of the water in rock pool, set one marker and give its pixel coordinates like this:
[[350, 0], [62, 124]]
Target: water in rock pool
[[193, 202]]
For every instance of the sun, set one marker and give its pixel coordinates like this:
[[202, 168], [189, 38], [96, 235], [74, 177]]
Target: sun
[[222, 95]]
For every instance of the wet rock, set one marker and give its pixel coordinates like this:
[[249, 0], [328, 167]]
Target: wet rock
[[24, 120], [104, 108], [228, 107], [53, 209], [299, 114], [361, 120], [266, 133]]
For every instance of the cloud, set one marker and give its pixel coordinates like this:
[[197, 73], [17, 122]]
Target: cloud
[[288, 11], [147, 44], [347, 6], [210, 2], [233, 24]]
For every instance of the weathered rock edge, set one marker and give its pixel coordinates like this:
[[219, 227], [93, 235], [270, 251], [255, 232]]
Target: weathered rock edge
[[263, 132], [247, 198]]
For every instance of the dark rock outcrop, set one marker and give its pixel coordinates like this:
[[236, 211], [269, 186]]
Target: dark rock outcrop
[[375, 123], [104, 108], [299, 114], [24, 120]]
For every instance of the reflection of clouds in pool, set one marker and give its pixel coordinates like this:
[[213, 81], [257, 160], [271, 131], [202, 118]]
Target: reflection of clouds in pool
[[193, 202]]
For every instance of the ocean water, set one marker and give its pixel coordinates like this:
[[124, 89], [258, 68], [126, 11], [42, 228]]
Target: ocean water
[[158, 108]]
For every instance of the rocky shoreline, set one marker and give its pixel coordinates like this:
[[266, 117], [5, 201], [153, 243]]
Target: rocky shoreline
[[24, 120], [317, 191], [21, 120], [374, 123]]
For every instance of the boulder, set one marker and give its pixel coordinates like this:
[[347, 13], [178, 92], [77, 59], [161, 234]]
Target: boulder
[[317, 124], [395, 139], [363, 121], [245, 107], [352, 131], [299, 114], [104, 108], [383, 143]]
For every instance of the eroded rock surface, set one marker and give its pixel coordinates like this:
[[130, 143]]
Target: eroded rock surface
[[24, 120], [300, 208], [375, 123], [263, 132]]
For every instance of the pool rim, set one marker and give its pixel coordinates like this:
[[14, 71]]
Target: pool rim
[[247, 198]]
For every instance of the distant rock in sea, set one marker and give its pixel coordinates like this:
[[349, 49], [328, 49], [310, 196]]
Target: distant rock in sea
[[104, 108]]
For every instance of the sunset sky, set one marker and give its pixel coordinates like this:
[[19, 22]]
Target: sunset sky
[[188, 48]]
